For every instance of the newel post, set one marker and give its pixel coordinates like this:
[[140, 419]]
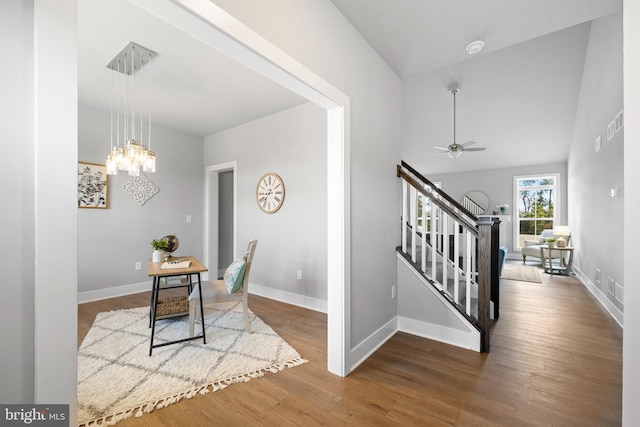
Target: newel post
[[484, 279]]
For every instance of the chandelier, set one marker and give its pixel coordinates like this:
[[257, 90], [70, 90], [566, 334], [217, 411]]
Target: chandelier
[[129, 129]]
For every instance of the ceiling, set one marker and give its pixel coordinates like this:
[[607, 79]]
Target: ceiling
[[518, 96], [415, 36], [194, 88], [200, 91]]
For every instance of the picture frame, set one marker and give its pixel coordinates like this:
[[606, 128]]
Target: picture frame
[[93, 186]]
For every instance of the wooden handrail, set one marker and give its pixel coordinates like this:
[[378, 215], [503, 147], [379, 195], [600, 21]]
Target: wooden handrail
[[416, 184], [441, 193]]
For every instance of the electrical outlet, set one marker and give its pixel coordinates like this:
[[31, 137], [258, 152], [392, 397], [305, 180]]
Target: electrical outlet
[[299, 274], [598, 275], [394, 291], [619, 292], [188, 218], [610, 285], [138, 265]]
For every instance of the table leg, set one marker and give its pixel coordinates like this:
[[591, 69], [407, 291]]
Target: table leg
[[204, 335], [153, 313], [154, 296], [156, 289]]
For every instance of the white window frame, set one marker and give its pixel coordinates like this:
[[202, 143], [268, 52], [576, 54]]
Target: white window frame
[[557, 203]]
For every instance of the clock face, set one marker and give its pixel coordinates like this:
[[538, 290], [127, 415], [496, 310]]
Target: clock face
[[270, 193]]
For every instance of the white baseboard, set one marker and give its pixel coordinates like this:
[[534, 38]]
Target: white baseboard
[[469, 339], [304, 301], [263, 291], [614, 311], [116, 291], [373, 342]]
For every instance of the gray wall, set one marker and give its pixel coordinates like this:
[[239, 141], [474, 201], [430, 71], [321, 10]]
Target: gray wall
[[122, 233], [292, 144], [631, 237], [17, 324], [497, 184], [39, 315], [317, 35], [225, 219], [595, 218]]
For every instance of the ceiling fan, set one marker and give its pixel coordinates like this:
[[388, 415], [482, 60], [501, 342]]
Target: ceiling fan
[[455, 149]]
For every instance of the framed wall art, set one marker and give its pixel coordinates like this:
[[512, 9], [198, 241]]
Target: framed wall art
[[93, 186]]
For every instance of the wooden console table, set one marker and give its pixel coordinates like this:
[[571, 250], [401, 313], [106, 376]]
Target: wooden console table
[[157, 272]]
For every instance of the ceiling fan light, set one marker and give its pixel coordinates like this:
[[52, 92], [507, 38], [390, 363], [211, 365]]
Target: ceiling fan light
[[475, 47], [453, 154]]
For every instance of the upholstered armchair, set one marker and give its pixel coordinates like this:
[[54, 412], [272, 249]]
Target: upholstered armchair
[[532, 247]]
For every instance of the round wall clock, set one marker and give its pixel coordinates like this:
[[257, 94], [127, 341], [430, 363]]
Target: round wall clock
[[270, 193]]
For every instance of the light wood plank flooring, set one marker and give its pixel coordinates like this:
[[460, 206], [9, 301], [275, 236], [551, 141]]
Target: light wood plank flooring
[[556, 359]]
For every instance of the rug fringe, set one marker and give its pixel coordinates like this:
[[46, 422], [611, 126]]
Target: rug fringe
[[150, 406]]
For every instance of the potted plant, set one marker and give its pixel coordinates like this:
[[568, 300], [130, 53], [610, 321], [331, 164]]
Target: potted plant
[[503, 208], [159, 245], [551, 242]]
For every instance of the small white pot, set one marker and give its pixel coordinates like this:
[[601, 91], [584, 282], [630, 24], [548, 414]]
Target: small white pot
[[157, 256]]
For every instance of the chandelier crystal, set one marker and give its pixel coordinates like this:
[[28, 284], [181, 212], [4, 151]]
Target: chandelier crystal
[[131, 155]]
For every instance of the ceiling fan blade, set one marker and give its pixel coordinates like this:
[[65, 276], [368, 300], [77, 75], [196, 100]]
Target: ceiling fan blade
[[468, 143], [475, 149], [441, 148]]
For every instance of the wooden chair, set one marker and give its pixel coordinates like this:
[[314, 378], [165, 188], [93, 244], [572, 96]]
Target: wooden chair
[[215, 291]]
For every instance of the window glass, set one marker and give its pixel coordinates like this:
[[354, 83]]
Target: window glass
[[536, 200]]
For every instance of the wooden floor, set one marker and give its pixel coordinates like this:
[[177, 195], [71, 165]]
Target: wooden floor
[[556, 359]]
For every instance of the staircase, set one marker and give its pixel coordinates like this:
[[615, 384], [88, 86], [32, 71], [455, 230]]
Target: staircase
[[454, 255]]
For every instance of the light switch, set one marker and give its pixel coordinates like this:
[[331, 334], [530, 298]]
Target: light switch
[[188, 218], [614, 193]]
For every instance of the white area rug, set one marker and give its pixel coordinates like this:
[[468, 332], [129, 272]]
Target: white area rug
[[523, 273], [118, 379]]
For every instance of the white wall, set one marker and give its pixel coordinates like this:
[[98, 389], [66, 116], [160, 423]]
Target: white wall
[[594, 217], [17, 327], [631, 237], [497, 184], [317, 35], [122, 233], [291, 144]]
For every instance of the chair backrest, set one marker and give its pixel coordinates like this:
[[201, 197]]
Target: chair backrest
[[251, 249], [546, 233], [549, 233]]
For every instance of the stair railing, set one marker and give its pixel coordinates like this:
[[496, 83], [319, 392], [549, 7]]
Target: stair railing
[[450, 246]]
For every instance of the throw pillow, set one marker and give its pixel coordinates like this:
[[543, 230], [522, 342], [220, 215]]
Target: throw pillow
[[234, 274]]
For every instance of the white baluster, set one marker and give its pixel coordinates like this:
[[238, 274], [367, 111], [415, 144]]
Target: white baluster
[[445, 252], [469, 273], [413, 199], [456, 261], [403, 220], [423, 263], [434, 243]]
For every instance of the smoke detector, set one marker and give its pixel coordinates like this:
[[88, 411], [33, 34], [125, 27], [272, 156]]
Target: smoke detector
[[475, 47]]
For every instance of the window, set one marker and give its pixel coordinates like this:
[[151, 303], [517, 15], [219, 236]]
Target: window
[[423, 201], [536, 205]]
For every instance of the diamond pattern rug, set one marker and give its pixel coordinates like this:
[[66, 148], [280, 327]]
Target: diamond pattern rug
[[118, 379]]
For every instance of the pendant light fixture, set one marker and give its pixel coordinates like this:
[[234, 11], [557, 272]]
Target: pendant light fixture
[[127, 150]]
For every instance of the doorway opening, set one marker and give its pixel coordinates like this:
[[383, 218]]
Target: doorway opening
[[220, 217]]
